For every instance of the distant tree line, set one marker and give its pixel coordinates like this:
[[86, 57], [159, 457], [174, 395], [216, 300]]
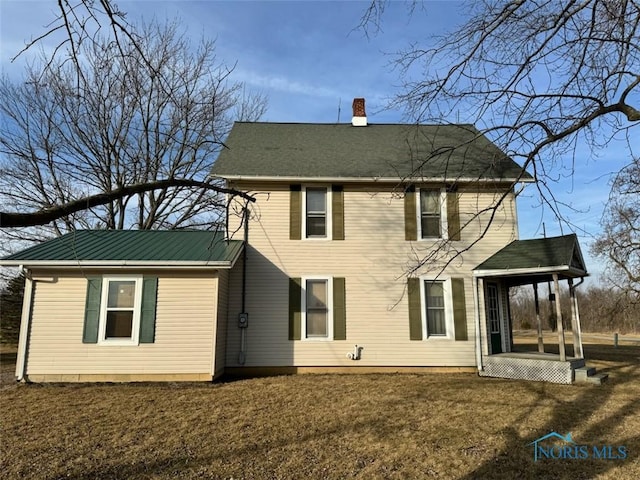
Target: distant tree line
[[602, 309], [11, 309]]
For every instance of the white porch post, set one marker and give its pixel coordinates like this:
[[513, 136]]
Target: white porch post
[[478, 329], [538, 319], [575, 322], [563, 353], [485, 339]]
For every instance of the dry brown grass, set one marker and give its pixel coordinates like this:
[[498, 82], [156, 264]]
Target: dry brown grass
[[369, 426]]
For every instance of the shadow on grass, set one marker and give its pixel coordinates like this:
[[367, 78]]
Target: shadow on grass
[[516, 460], [602, 409]]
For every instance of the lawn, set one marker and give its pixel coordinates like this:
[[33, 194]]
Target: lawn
[[307, 426]]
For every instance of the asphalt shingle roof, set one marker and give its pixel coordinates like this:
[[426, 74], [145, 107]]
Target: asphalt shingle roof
[[132, 246], [308, 150], [563, 251]]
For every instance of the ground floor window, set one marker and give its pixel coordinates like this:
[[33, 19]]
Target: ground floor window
[[316, 302], [437, 308], [120, 312], [435, 311]]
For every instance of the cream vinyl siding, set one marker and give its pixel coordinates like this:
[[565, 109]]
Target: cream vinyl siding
[[372, 258], [184, 330]]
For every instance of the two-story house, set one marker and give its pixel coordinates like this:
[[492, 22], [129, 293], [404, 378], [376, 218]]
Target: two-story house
[[370, 247]]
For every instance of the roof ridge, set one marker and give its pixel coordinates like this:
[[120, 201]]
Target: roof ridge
[[348, 124]]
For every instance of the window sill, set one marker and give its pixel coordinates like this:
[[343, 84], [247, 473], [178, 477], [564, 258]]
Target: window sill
[[118, 343]]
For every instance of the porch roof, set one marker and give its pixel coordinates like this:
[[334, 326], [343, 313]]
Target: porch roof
[[535, 260]]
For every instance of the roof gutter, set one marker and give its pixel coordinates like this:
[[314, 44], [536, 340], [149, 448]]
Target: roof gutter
[[114, 264], [266, 178], [521, 271]]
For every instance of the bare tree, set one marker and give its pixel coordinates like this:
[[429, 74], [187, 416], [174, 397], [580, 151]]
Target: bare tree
[[601, 310], [43, 217], [143, 143], [79, 22], [535, 76], [619, 242]]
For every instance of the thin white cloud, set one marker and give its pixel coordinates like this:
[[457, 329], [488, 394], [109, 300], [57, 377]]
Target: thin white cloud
[[283, 84]]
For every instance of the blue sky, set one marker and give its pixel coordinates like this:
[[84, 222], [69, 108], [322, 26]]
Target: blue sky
[[310, 59]]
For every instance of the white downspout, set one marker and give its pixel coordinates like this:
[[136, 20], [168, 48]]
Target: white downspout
[[476, 300], [25, 324]]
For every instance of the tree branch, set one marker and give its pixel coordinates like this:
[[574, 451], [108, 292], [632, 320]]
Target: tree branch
[[14, 219]]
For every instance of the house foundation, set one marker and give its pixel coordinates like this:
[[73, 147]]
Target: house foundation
[[535, 366]]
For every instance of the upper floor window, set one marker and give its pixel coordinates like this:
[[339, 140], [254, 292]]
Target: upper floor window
[[431, 213], [316, 212], [431, 203]]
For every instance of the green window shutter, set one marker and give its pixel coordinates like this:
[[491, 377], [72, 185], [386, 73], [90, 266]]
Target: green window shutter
[[337, 212], [148, 312], [453, 215], [459, 309], [295, 213], [295, 317], [410, 223], [339, 309], [92, 310], [415, 316]]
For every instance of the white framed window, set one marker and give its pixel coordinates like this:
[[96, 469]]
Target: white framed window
[[437, 308], [317, 313], [432, 213], [120, 307], [316, 216]]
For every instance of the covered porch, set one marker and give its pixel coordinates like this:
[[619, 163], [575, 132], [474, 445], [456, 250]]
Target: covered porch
[[530, 262]]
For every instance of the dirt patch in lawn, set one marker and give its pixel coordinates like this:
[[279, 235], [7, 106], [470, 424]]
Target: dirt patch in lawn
[[308, 426]]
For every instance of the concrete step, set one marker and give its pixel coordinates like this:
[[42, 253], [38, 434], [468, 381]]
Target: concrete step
[[589, 375], [598, 378], [582, 373]]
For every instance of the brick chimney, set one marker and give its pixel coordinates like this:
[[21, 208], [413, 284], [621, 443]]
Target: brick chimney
[[359, 116]]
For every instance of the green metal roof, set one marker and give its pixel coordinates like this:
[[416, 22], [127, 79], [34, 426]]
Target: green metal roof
[[538, 256], [132, 247], [391, 151]]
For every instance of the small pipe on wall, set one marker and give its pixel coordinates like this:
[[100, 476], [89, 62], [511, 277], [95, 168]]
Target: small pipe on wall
[[356, 354]]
